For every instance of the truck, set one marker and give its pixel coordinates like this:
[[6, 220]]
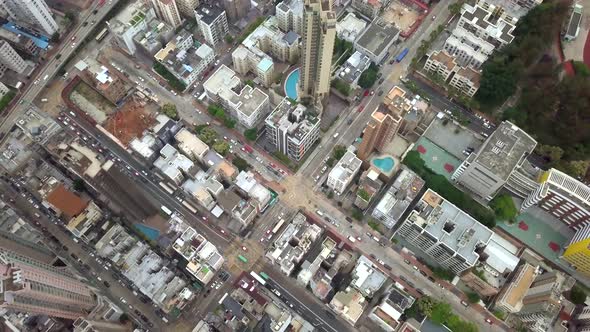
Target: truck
[[402, 55]]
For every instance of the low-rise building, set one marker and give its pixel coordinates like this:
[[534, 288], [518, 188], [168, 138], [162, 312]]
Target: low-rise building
[[259, 195], [204, 188], [369, 186], [240, 209], [510, 298], [292, 129], [293, 243], [466, 80], [376, 40], [185, 61], [145, 146], [190, 145], [99, 77], [388, 313], [344, 172], [349, 304], [366, 277], [289, 14], [445, 233], [64, 202], [441, 63], [248, 105], [153, 37], [204, 260], [368, 8], [83, 222], [173, 164], [313, 264], [396, 200], [350, 27], [352, 69], [37, 125]]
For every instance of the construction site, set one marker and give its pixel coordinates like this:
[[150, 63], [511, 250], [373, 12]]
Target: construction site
[[407, 15], [131, 120]]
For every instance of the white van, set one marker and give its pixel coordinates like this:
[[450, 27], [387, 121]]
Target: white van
[[319, 213], [351, 239], [72, 114], [336, 135], [44, 100]]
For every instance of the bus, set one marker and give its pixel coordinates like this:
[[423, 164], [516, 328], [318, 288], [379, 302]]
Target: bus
[[166, 210], [242, 259], [103, 33], [166, 187], [278, 226], [264, 275], [258, 278], [402, 54], [189, 206]]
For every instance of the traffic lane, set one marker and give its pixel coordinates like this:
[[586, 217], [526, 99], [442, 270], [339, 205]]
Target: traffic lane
[[219, 239], [311, 309], [61, 234]]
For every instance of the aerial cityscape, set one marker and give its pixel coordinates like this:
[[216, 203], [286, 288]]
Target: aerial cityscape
[[294, 165]]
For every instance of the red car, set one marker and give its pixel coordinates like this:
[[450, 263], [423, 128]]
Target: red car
[[366, 93], [273, 165], [361, 108]]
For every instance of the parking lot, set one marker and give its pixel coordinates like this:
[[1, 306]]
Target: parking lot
[[451, 137]]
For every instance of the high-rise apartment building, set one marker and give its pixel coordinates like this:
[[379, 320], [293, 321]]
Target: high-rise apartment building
[[187, 7], [289, 13], [319, 33], [343, 173], [10, 59], [31, 12], [378, 132], [167, 11], [129, 22], [542, 302], [291, 130], [564, 197], [212, 23], [451, 237], [30, 284], [236, 9], [577, 252], [486, 171], [510, 297]]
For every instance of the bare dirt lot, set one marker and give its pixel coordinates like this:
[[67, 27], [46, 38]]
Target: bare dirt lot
[[401, 15], [129, 122]]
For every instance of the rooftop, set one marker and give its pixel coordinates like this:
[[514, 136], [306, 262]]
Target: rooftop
[[171, 162], [397, 199], [227, 85], [346, 166], [130, 16], [296, 6], [376, 37], [66, 201], [190, 144], [516, 290], [471, 74], [477, 16], [208, 13], [505, 149], [350, 27], [449, 225], [444, 58], [37, 125], [292, 118], [366, 278], [352, 69]]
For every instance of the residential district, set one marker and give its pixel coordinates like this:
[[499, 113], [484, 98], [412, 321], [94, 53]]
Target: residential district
[[295, 165]]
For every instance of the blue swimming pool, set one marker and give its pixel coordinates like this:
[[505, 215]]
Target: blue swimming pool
[[151, 233], [385, 164], [291, 84]]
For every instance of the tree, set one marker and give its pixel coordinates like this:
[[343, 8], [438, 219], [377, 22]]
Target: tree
[[441, 312], [123, 318], [425, 305], [250, 83], [70, 16], [79, 185], [362, 193], [553, 153], [455, 8], [581, 68], [338, 152], [341, 86], [240, 163], [221, 147], [251, 134], [504, 207], [330, 194], [170, 111], [442, 273], [208, 136], [576, 168], [473, 297], [368, 77], [577, 295], [357, 214], [55, 37], [229, 39]]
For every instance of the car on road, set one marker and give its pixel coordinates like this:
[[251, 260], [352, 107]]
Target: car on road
[[106, 284], [360, 109], [372, 92], [465, 304], [423, 273], [349, 122], [489, 321], [380, 262], [381, 80], [366, 93], [419, 291], [387, 267], [244, 248], [406, 261], [380, 93], [122, 299]]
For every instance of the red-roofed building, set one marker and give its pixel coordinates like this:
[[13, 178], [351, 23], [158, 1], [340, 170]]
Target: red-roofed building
[[65, 202]]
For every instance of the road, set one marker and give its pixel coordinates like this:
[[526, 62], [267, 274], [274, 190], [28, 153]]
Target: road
[[116, 288], [53, 64]]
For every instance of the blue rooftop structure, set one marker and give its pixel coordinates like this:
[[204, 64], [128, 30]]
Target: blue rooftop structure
[[39, 40]]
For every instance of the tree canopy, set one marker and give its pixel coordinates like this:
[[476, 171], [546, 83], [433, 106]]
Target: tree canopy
[[504, 207], [369, 76], [170, 111]]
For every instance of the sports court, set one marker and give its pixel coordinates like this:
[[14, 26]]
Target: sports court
[[537, 235], [437, 159]]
